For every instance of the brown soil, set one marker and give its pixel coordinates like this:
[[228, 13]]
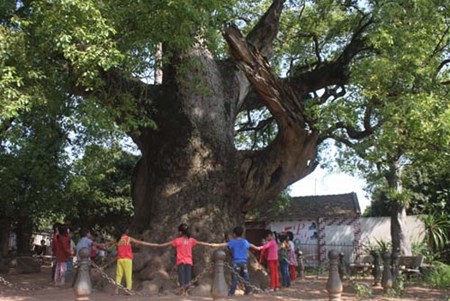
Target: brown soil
[[37, 287]]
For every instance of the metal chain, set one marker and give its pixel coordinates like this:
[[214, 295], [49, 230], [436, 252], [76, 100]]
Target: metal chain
[[18, 288], [187, 288], [239, 277], [114, 283], [190, 285]]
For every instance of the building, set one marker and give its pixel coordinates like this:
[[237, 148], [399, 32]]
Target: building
[[318, 223]]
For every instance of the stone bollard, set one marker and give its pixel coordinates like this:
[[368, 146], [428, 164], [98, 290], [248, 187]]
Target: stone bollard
[[334, 283], [386, 280], [219, 289], [301, 266], [83, 287]]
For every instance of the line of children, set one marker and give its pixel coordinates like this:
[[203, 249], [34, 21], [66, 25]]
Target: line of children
[[184, 243]]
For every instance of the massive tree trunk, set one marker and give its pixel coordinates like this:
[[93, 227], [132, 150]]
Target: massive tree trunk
[[190, 170]]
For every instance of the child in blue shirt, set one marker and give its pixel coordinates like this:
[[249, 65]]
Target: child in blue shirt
[[238, 247]]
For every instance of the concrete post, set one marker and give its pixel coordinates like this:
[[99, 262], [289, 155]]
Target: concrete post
[[83, 286], [301, 266], [219, 290], [386, 281], [334, 283]]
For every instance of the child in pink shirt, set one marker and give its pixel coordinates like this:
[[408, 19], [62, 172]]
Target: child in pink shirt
[[271, 248], [183, 245]]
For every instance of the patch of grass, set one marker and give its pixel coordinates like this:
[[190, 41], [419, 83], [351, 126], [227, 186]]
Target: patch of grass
[[362, 290], [438, 276]]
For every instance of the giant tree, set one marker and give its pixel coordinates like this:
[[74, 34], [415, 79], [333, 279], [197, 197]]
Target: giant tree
[[213, 60]]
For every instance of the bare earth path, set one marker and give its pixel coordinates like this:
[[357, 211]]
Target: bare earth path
[[311, 288]]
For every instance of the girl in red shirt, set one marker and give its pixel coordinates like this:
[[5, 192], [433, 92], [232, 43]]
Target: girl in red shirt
[[62, 253], [183, 244], [125, 259], [271, 247]]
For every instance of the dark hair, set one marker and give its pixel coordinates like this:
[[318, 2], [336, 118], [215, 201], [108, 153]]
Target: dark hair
[[282, 236], [184, 230], [56, 226], [238, 231], [63, 230], [267, 233], [290, 235], [84, 232], [120, 230]]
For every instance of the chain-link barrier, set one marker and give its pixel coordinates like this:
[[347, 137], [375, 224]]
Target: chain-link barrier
[[115, 284], [13, 286], [242, 280], [189, 286]]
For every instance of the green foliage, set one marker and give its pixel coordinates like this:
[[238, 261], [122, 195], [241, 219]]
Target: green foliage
[[363, 290], [380, 246], [33, 168], [437, 229], [98, 193], [438, 276]]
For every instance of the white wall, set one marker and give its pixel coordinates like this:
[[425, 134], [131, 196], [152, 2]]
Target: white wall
[[379, 228]]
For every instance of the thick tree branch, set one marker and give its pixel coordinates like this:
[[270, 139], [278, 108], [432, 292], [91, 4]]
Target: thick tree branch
[[260, 126], [281, 100], [292, 155], [266, 30], [336, 72]]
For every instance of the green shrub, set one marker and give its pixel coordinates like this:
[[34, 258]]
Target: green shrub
[[362, 290], [438, 276]]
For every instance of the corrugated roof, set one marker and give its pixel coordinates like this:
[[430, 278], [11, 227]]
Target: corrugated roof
[[336, 205]]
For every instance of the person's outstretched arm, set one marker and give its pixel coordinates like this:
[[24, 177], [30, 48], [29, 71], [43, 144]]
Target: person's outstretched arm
[[211, 245], [217, 245], [149, 244], [252, 246]]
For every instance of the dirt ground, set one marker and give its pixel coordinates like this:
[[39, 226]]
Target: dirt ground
[[37, 287]]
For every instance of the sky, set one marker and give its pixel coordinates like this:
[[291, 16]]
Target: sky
[[322, 182]]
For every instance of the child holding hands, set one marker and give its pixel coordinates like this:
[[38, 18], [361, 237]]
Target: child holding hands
[[183, 245]]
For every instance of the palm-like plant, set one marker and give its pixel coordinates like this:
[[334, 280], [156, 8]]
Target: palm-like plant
[[437, 228]]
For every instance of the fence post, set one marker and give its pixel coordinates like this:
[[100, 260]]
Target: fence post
[[301, 266], [334, 283], [386, 280], [219, 290], [83, 287]]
